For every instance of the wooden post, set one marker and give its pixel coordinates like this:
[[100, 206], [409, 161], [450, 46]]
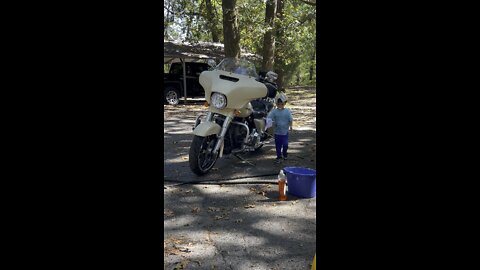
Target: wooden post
[[184, 81]]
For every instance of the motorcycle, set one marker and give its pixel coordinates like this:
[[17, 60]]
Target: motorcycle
[[238, 101]]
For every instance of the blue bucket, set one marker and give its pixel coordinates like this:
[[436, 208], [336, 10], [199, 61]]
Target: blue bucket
[[301, 182]]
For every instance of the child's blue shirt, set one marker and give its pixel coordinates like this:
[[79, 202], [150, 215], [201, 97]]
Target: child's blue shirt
[[281, 120]]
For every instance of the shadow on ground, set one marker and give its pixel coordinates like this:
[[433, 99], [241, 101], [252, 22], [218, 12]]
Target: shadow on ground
[[302, 152], [236, 227]]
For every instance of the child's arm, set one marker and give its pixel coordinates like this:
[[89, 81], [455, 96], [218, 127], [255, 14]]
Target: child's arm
[[269, 120], [291, 121]]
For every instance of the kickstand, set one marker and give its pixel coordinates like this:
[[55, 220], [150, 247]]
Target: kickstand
[[244, 160]]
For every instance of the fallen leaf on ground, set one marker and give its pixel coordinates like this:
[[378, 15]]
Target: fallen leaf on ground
[[186, 250], [195, 210], [168, 213], [181, 265], [170, 246]]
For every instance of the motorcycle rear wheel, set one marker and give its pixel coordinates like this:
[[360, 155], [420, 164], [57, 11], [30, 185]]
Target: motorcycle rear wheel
[[201, 158]]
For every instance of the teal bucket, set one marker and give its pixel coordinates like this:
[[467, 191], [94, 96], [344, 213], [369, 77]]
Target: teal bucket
[[301, 182]]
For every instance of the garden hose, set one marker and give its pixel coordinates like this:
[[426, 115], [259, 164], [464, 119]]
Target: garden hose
[[214, 182]]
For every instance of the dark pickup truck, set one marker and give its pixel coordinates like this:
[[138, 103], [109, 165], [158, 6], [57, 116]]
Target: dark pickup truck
[[173, 82]]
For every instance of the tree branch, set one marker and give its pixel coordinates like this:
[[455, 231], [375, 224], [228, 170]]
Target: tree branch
[[171, 11], [314, 3], [182, 12], [307, 18]]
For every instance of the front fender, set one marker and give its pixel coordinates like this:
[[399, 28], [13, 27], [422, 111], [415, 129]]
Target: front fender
[[207, 128]]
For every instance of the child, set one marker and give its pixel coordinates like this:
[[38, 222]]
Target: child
[[282, 121]]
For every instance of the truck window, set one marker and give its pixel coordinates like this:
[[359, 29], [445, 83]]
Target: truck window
[[199, 68], [176, 68]]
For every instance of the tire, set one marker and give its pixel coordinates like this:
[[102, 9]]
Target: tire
[[200, 156], [172, 95]]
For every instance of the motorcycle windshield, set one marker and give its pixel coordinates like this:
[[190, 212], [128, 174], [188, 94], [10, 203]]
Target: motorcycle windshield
[[238, 66]]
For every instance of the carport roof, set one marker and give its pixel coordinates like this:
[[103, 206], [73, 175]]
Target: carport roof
[[198, 51]]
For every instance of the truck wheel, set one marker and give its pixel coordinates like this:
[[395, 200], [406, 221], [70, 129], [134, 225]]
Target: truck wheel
[[172, 95]]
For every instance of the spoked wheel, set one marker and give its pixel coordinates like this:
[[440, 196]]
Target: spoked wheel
[[172, 96], [201, 156]]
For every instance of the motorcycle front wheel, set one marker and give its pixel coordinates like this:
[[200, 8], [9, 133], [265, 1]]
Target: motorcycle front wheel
[[201, 156]]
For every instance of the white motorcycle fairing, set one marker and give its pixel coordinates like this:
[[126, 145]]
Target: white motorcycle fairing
[[239, 89]]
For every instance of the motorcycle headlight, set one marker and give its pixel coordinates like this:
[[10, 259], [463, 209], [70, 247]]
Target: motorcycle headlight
[[218, 101]]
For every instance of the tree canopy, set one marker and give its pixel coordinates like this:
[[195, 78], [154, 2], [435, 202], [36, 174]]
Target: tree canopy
[[293, 31]]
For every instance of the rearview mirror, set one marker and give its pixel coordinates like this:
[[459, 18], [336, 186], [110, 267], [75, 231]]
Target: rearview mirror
[[211, 62]]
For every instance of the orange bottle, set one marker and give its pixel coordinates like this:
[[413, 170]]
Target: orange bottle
[[282, 186]]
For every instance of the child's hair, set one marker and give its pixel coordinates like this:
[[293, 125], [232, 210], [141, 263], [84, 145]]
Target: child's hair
[[280, 100]]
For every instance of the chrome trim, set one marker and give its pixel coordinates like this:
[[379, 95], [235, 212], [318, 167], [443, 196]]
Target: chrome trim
[[209, 116], [248, 130], [225, 125], [244, 146]]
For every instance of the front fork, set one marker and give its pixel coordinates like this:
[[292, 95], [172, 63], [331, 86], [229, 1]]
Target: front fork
[[223, 131], [221, 137], [197, 120]]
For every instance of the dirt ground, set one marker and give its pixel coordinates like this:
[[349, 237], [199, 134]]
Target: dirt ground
[[232, 218]]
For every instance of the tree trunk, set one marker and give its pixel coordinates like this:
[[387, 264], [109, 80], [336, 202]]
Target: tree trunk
[[312, 62], [212, 21], [279, 61], [269, 37], [188, 33], [167, 22], [231, 33]]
